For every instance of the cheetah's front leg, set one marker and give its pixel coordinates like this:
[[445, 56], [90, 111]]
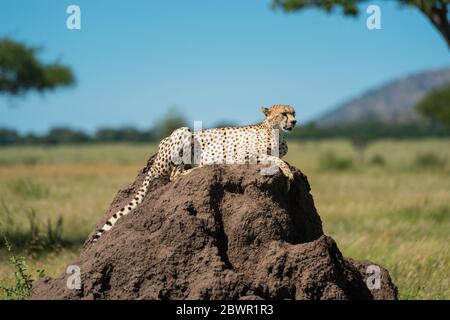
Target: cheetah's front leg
[[276, 163]]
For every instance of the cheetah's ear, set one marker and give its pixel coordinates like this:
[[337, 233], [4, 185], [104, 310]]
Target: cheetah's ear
[[266, 111]]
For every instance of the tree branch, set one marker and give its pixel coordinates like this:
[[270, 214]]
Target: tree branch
[[438, 16]]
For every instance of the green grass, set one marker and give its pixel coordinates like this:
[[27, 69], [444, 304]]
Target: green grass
[[82, 154], [393, 207], [27, 188]]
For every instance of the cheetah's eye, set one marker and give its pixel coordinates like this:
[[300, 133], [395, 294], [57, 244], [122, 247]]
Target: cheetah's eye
[[284, 114]]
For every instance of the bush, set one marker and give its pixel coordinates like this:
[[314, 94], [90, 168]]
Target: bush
[[329, 161], [22, 280], [8, 136], [378, 160], [125, 134], [66, 135], [38, 237], [430, 161], [435, 106]]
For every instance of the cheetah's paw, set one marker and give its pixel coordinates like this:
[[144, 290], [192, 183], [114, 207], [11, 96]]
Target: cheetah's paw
[[288, 174]]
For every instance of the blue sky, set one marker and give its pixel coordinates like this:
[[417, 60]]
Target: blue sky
[[214, 60]]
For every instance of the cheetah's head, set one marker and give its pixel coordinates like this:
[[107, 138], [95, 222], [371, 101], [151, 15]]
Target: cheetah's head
[[280, 117]]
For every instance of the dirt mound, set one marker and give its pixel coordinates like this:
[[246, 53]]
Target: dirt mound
[[221, 232]]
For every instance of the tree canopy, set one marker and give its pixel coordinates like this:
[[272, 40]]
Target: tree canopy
[[21, 71], [435, 10], [173, 119], [436, 106]]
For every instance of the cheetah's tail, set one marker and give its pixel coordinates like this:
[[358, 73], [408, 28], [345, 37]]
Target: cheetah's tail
[[139, 196]]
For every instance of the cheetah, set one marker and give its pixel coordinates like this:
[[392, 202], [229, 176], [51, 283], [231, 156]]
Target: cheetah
[[184, 151]]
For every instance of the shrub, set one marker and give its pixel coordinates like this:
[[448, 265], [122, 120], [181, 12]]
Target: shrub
[[22, 279], [329, 161], [430, 161], [37, 237], [378, 160]]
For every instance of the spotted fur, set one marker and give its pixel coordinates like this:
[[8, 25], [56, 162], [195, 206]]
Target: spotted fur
[[231, 145]]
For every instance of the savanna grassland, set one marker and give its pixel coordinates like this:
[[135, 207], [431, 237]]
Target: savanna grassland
[[389, 203]]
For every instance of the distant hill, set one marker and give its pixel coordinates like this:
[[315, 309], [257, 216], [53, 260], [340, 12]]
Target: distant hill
[[393, 102]]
